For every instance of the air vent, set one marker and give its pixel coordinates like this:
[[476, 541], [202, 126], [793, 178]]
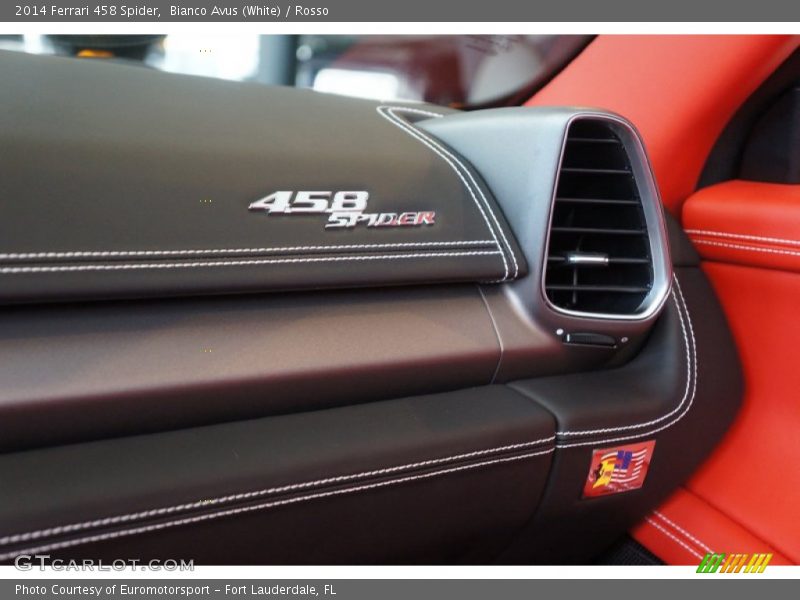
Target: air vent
[[599, 254]]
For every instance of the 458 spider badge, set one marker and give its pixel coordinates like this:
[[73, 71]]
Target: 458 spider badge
[[344, 209]]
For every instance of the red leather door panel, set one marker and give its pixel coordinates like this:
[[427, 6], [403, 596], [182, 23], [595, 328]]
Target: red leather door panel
[[754, 477], [747, 223], [745, 498]]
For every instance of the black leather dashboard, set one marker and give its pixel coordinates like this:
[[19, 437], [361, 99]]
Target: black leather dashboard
[[430, 409]]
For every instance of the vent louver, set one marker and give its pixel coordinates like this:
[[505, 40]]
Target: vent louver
[[598, 258]]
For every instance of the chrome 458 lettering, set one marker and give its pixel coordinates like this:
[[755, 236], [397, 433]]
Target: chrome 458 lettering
[[344, 209], [287, 203]]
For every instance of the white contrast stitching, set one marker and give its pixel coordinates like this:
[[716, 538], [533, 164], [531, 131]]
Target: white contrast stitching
[[750, 248], [691, 380], [388, 112], [653, 421], [742, 236], [673, 538], [169, 253], [416, 134], [688, 535], [450, 158], [262, 506], [22, 537], [235, 263], [486, 202]]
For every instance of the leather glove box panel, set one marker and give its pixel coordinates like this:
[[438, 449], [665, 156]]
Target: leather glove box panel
[[448, 478]]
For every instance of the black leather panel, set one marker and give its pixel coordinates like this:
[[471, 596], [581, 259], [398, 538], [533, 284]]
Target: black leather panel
[[444, 477], [125, 182], [682, 250], [650, 386], [86, 371], [683, 398]]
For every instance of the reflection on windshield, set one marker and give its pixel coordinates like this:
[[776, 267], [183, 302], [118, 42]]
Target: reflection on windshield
[[456, 70]]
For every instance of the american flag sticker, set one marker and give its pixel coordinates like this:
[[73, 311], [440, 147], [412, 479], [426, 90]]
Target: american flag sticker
[[618, 469]]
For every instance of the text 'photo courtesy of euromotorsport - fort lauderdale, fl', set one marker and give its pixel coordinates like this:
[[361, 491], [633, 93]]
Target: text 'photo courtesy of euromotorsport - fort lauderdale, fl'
[[361, 299], [185, 590]]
